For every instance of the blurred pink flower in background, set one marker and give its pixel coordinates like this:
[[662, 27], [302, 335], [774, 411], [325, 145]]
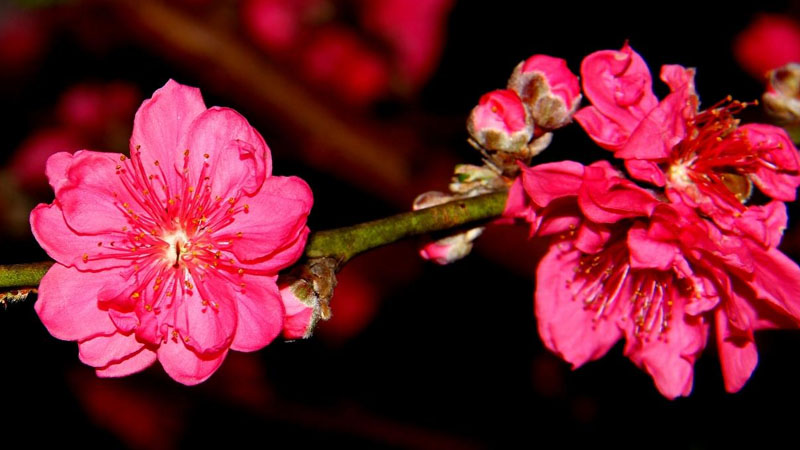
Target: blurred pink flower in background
[[87, 115], [171, 254], [770, 41], [392, 47], [23, 40]]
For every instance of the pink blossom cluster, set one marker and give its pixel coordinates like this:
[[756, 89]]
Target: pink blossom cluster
[[171, 253], [679, 245], [394, 46]]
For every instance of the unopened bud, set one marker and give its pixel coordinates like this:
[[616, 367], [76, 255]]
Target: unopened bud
[[500, 122], [306, 295], [430, 198], [549, 89], [449, 249], [452, 248], [782, 97], [475, 180]]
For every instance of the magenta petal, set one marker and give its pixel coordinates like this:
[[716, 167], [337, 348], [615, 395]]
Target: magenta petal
[[737, 354], [162, 122], [648, 253], [206, 318], [565, 327], [224, 142], [67, 246], [100, 351], [645, 171], [781, 180], [619, 85], [604, 131], [277, 214], [776, 278], [547, 182], [186, 366], [135, 362], [93, 197], [67, 304], [669, 357], [261, 312], [56, 169]]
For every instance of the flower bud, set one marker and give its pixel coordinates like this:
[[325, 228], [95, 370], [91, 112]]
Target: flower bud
[[452, 248], [500, 122], [306, 295], [549, 89], [782, 98], [475, 180], [449, 249]]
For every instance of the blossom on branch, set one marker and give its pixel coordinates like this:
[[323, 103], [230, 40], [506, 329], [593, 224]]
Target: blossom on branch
[[170, 254], [662, 270]]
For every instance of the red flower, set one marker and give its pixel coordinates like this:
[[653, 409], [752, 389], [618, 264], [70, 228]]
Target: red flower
[[770, 41]]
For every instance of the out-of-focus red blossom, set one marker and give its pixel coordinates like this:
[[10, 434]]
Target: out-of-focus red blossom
[[171, 254], [414, 30], [662, 271], [354, 305], [88, 115], [500, 122], [336, 60], [23, 38], [549, 89], [93, 108], [140, 418], [276, 25], [29, 160], [770, 41]]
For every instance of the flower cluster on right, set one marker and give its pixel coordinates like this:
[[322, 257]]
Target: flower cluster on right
[[674, 240]]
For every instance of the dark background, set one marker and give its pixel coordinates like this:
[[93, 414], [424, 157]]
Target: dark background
[[451, 357]]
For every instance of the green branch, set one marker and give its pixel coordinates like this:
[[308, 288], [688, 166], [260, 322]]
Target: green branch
[[340, 244]]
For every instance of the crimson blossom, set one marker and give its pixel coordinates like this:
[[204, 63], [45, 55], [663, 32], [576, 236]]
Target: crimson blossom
[[171, 254], [664, 265]]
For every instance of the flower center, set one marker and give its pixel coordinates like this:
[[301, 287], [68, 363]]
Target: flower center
[[714, 159], [608, 286], [178, 245]]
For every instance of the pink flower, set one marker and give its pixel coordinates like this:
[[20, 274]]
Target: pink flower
[[337, 60], [549, 89], [173, 253], [625, 264], [413, 29], [500, 122], [703, 158], [770, 41]]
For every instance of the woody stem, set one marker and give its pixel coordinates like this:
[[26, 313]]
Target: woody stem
[[340, 244]]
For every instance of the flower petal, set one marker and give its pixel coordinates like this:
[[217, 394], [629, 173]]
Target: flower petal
[[135, 362], [162, 122], [222, 141], [738, 356], [67, 304], [779, 181], [776, 278], [186, 366], [93, 196], [261, 312], [619, 85], [669, 358], [100, 351], [277, 215], [206, 317], [564, 325], [72, 249]]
